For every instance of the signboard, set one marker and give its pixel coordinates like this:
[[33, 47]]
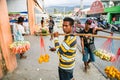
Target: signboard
[[96, 7]]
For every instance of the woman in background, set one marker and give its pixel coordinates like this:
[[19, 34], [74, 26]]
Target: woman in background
[[18, 32]]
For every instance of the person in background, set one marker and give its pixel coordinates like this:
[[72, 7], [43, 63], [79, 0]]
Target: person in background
[[66, 51], [42, 22], [43, 28], [51, 26], [94, 24], [78, 27], [113, 20], [87, 44], [18, 32]]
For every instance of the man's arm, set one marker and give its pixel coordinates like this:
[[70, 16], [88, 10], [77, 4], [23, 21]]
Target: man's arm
[[53, 23], [66, 45], [97, 29], [101, 29], [56, 42], [82, 45]]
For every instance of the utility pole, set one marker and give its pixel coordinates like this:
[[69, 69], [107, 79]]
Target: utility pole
[[43, 5], [64, 11], [81, 4]]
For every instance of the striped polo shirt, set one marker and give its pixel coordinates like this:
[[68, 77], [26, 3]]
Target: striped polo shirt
[[66, 52]]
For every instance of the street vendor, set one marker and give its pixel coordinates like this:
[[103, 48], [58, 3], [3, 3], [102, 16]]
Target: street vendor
[[51, 25], [66, 51], [43, 29], [42, 22], [18, 32], [87, 44]]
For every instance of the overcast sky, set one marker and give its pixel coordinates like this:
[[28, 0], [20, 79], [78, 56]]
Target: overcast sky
[[66, 2]]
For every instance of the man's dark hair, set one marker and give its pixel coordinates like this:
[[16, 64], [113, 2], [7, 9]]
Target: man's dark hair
[[20, 19], [70, 20], [50, 16], [42, 17]]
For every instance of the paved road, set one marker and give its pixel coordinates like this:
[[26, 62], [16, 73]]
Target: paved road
[[101, 64], [30, 69]]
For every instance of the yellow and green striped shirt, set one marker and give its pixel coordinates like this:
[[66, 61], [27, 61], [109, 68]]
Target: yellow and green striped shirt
[[66, 52]]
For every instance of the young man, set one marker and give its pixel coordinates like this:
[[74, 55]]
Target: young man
[[51, 26], [66, 51], [87, 44]]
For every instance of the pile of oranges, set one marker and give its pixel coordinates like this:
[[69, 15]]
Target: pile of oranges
[[112, 72], [43, 58]]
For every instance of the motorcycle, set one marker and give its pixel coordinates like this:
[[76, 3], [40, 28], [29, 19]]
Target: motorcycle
[[104, 24], [115, 28]]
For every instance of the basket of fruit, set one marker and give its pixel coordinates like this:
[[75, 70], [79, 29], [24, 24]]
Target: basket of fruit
[[18, 47], [42, 31], [106, 52], [105, 55]]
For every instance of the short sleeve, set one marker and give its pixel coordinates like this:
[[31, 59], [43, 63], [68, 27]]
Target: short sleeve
[[82, 32]]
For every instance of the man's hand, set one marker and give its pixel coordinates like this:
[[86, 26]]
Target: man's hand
[[56, 34], [83, 51], [52, 49]]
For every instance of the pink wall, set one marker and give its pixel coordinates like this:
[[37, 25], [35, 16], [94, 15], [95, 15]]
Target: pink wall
[[6, 37]]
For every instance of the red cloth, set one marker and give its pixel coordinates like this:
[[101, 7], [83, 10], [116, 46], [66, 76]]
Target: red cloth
[[118, 53]]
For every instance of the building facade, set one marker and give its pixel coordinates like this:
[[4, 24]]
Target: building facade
[[8, 62], [109, 3], [112, 8]]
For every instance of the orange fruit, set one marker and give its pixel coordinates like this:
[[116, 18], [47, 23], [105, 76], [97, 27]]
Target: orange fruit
[[46, 56], [41, 59], [46, 60]]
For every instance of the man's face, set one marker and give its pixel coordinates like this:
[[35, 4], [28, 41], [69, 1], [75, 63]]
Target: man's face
[[87, 25], [50, 18], [67, 28]]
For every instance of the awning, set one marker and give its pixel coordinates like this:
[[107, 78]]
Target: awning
[[114, 9]]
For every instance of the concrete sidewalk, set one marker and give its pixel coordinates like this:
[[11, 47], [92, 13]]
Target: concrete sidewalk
[[30, 69]]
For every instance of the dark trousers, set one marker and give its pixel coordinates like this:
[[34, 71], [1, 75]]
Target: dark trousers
[[65, 74], [51, 30]]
